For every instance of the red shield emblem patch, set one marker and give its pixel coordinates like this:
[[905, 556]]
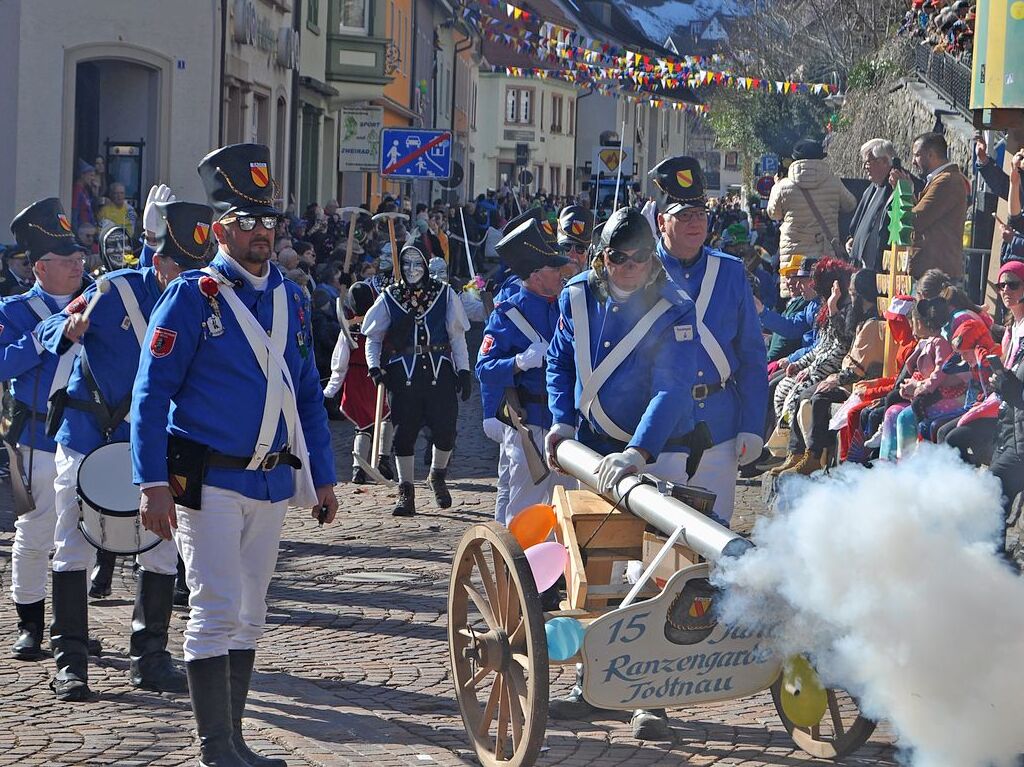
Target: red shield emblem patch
[[684, 178], [260, 174], [64, 223], [163, 342], [578, 227], [77, 306], [201, 233], [548, 228], [487, 345]]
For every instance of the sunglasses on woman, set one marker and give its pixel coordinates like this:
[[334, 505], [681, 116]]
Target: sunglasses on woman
[[248, 223], [1009, 285], [621, 256]]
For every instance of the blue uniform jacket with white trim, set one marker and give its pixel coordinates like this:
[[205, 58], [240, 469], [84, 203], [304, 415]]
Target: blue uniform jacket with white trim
[[27, 364], [649, 394], [496, 364], [113, 352], [509, 288], [732, 319], [210, 389], [802, 325]]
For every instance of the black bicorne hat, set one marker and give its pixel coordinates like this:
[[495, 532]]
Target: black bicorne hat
[[43, 228], [680, 185], [627, 229], [237, 180], [525, 250], [575, 226], [183, 233], [547, 230]]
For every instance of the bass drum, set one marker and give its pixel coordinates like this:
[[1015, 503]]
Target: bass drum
[[109, 502]]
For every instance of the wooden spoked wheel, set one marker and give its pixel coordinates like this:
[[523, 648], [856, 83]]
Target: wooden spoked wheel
[[498, 650], [841, 731]]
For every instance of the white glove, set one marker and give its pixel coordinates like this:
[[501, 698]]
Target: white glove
[[532, 356], [650, 212], [150, 216], [556, 434], [615, 466], [748, 448], [494, 429]]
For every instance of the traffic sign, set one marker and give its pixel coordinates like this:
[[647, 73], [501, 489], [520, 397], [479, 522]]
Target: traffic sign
[[764, 185], [769, 164], [408, 153], [608, 159]]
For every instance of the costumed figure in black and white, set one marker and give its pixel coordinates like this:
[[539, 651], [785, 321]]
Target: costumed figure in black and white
[[350, 376], [416, 348]]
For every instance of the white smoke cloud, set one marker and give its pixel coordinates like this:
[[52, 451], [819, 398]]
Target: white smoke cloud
[[887, 578]]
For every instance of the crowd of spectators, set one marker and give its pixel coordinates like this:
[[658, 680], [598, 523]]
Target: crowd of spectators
[[946, 27]]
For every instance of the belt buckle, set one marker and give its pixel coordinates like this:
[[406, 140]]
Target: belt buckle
[[700, 391], [270, 462]]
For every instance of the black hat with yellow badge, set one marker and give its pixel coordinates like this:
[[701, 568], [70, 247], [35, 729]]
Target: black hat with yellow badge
[[548, 230], [679, 182], [43, 228], [575, 226], [238, 181], [183, 233], [525, 250]]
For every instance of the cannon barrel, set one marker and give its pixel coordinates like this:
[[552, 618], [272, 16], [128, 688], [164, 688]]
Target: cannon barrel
[[701, 533]]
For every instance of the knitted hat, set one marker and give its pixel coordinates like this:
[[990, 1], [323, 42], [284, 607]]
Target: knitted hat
[[972, 334], [900, 306]]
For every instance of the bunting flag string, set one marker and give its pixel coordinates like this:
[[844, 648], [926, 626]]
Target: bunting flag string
[[567, 49]]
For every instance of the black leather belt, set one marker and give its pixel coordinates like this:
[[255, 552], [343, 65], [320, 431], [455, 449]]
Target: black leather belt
[[526, 398], [272, 461], [703, 391]]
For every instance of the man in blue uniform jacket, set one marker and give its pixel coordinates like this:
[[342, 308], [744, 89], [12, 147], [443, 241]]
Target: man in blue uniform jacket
[[620, 375], [511, 282], [732, 386], [58, 262], [93, 411], [513, 350], [227, 426], [638, 409]]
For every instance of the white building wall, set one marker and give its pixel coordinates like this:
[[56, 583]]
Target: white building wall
[[42, 40]]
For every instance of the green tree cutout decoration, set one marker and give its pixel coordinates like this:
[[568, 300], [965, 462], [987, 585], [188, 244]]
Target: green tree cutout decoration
[[901, 216]]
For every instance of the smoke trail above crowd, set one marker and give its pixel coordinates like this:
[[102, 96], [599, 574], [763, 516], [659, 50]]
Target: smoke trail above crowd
[[888, 579]]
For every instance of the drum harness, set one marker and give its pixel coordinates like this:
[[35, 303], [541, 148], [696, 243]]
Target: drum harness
[[109, 418]]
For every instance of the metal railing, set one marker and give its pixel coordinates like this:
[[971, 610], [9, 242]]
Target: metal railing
[[945, 74]]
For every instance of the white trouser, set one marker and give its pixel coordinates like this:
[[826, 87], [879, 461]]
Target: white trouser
[[522, 491], [33, 536], [72, 551], [717, 473], [670, 467], [495, 430], [230, 550]]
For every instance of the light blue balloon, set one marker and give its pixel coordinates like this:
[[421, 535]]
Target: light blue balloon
[[565, 637]]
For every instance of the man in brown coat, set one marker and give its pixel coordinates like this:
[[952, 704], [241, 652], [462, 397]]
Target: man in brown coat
[[940, 211]]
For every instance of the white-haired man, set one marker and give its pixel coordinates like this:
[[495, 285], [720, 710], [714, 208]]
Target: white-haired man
[[869, 226]]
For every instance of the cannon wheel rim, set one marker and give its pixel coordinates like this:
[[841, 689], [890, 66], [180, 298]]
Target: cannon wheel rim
[[840, 740], [508, 604]]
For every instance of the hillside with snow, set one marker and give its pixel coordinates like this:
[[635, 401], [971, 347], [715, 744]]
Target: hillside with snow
[[687, 23]]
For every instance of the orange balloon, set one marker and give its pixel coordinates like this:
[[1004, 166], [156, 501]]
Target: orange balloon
[[533, 524]]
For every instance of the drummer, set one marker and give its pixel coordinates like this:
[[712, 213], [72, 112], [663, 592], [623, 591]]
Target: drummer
[[94, 412], [58, 263]]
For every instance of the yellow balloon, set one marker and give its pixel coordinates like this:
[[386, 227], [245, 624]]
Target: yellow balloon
[[1017, 10], [533, 524], [803, 698]]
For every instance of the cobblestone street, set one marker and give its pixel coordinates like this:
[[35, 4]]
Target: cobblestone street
[[353, 668]]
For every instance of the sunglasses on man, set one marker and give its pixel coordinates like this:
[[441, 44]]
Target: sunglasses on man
[[248, 223], [620, 256]]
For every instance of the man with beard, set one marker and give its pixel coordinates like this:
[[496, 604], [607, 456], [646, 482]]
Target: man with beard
[[58, 262], [416, 348], [93, 411], [575, 231], [228, 427]]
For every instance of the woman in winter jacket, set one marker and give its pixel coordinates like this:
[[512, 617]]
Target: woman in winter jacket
[[809, 177]]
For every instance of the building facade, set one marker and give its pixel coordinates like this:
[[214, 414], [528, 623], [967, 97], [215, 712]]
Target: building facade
[[82, 86]]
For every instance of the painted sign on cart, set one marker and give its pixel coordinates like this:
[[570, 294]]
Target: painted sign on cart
[[672, 651]]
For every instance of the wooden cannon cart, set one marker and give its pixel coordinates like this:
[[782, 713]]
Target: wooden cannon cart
[[665, 649]]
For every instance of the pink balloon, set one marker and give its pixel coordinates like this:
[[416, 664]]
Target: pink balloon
[[547, 561]]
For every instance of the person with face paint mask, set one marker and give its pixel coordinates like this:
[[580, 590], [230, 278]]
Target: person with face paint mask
[[422, 325]]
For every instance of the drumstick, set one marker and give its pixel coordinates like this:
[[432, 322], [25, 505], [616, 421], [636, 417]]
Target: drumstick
[[102, 286]]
